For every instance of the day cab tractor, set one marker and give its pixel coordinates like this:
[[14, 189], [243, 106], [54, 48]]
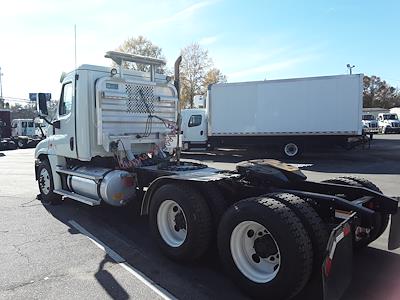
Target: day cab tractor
[[275, 231]]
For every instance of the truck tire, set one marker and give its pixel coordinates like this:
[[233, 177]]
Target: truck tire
[[21, 143], [291, 150], [265, 248], [46, 183], [376, 230], [180, 221], [311, 221], [370, 185]]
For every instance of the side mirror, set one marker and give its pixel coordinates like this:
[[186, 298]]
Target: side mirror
[[42, 105]]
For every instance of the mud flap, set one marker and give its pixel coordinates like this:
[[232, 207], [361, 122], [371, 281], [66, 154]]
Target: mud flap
[[394, 233], [338, 261]]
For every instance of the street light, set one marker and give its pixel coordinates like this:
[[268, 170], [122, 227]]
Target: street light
[[350, 67]]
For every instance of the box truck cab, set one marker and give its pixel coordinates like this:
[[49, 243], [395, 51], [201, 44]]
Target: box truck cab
[[194, 129], [388, 123]]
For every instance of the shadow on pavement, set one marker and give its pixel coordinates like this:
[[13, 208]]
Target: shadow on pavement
[[124, 231], [376, 276]]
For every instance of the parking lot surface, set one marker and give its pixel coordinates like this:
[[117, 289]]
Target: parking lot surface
[[59, 251]]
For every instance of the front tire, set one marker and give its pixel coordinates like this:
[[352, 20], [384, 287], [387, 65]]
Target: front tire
[[265, 249], [180, 221], [46, 183], [21, 143]]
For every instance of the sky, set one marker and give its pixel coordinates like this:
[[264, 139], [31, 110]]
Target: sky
[[247, 40]]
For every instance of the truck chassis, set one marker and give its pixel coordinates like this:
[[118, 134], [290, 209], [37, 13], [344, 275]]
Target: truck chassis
[[267, 220]]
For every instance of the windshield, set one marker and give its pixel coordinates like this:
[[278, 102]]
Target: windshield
[[390, 117], [368, 117]]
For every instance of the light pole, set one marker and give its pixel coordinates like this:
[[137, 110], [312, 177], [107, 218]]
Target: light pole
[[1, 86], [350, 67]]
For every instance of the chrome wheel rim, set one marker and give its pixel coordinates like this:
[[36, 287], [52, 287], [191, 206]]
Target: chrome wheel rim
[[44, 181], [171, 223], [259, 263], [291, 149]]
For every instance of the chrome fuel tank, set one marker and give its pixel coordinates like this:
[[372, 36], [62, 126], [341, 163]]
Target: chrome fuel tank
[[115, 187]]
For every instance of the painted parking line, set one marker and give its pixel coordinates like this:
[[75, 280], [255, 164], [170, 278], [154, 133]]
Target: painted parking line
[[122, 263]]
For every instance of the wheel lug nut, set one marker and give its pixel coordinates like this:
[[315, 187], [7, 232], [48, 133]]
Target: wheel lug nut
[[250, 233], [175, 208], [255, 258], [272, 258]]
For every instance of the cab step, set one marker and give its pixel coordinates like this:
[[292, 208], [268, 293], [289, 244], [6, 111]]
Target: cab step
[[77, 197]]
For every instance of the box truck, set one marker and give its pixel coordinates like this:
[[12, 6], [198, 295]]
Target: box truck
[[276, 231], [293, 114]]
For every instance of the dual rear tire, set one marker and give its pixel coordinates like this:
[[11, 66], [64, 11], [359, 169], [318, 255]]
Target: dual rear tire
[[260, 240]]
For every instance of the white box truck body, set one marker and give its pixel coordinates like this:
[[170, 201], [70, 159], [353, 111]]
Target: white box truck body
[[278, 112]]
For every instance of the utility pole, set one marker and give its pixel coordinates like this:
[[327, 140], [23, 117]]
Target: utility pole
[[350, 67]]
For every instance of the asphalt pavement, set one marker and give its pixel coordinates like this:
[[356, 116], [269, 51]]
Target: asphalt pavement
[[75, 251]]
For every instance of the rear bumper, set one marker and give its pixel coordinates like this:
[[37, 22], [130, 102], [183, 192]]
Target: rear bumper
[[338, 260]]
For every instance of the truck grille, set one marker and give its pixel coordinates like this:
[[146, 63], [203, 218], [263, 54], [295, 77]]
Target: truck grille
[[373, 125], [140, 98], [395, 125]]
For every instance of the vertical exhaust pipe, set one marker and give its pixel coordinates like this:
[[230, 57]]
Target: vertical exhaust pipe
[[179, 119]]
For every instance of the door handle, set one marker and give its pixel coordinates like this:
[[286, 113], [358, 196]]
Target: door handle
[[71, 144]]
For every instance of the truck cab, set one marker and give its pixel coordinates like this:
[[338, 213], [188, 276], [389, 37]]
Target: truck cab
[[23, 127], [370, 125], [194, 128], [388, 123]]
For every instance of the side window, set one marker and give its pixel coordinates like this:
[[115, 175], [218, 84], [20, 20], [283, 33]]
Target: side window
[[30, 124], [14, 125], [66, 100], [23, 124], [195, 120]]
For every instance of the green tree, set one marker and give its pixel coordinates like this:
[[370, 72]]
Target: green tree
[[213, 76], [194, 66], [19, 111], [141, 46], [197, 72], [378, 93]]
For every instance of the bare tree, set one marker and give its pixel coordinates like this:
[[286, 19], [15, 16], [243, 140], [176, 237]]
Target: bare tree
[[141, 46], [194, 66]]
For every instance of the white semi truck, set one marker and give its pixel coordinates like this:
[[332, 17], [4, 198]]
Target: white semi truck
[[27, 133], [292, 114], [276, 232], [388, 123]]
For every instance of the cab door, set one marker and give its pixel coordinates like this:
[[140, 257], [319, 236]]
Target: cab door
[[196, 128], [64, 139]]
